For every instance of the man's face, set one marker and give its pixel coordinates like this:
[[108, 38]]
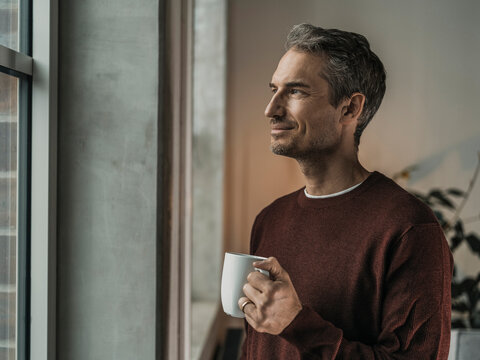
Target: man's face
[[303, 122]]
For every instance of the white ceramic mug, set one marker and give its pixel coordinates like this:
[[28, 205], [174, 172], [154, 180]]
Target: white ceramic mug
[[236, 268]]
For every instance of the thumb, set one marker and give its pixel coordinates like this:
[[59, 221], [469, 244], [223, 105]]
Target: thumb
[[273, 267]]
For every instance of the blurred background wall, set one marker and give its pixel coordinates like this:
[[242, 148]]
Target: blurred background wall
[[431, 51]]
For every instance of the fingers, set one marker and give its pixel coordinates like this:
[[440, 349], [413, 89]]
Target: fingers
[[247, 306], [273, 267], [269, 304], [251, 292], [258, 280]]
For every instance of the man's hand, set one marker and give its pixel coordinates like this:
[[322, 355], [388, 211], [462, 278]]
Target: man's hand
[[274, 302]]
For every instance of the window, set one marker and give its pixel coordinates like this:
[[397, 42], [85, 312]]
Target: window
[[208, 129], [15, 104], [8, 215]]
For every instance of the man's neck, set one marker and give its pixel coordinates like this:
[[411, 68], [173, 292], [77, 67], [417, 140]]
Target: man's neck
[[325, 177]]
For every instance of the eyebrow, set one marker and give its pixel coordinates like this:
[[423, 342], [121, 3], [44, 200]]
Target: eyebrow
[[292, 84]]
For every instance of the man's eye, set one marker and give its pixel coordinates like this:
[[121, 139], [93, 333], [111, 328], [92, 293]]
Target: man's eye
[[273, 90], [295, 92]]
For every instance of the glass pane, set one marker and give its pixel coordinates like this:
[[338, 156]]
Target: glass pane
[[9, 24], [8, 215]]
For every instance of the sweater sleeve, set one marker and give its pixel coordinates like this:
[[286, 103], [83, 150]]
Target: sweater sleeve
[[243, 349], [415, 322]]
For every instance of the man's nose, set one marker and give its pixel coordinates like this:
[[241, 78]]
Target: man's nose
[[274, 107]]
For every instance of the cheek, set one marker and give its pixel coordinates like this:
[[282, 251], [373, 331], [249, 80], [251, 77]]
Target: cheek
[[322, 124], [301, 115], [302, 109]]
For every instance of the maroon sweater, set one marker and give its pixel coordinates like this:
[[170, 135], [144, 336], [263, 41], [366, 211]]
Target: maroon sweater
[[371, 268]]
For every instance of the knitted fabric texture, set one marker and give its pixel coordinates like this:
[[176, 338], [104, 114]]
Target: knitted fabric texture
[[372, 269]]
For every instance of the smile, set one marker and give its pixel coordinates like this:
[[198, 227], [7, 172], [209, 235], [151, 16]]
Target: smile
[[277, 129]]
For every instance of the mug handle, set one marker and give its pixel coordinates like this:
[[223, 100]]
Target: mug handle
[[264, 272]]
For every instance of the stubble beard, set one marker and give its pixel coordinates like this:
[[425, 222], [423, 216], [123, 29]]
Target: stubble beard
[[289, 150], [286, 148], [323, 145], [283, 150]]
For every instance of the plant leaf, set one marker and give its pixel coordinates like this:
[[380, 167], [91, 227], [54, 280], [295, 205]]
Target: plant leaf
[[465, 286], [441, 198], [457, 290], [460, 307], [459, 228], [455, 192], [422, 197], [455, 242], [475, 320], [473, 299], [458, 324], [474, 243], [440, 218]]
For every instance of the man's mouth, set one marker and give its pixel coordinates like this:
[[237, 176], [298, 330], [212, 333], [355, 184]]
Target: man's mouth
[[279, 128]]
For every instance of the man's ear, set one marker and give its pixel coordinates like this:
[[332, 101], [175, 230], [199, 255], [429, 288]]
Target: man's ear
[[353, 107]]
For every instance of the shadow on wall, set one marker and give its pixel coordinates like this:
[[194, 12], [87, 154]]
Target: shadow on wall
[[466, 151]]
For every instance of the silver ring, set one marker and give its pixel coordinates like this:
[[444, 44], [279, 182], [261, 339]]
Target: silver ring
[[245, 304]]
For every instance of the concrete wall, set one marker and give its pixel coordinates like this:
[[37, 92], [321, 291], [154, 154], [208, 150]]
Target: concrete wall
[[431, 50], [108, 82]]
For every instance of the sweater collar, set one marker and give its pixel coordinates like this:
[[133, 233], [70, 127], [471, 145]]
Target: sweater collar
[[304, 201]]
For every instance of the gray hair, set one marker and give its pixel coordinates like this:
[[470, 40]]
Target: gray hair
[[350, 66]]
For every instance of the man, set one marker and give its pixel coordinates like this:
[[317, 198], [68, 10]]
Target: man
[[359, 268]]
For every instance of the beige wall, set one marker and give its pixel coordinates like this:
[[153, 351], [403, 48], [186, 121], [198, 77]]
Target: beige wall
[[431, 50]]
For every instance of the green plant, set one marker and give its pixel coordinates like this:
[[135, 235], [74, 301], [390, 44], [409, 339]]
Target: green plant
[[447, 205]]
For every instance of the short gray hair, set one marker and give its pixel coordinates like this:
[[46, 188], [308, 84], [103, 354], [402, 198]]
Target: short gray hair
[[350, 66]]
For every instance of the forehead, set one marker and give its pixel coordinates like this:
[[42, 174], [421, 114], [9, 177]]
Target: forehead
[[299, 66]]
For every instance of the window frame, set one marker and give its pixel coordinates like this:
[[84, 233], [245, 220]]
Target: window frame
[[19, 64], [44, 179], [175, 181], [23, 219], [36, 335], [22, 238]]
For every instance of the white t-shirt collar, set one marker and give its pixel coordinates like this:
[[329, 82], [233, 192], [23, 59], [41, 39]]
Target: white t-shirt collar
[[331, 195]]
